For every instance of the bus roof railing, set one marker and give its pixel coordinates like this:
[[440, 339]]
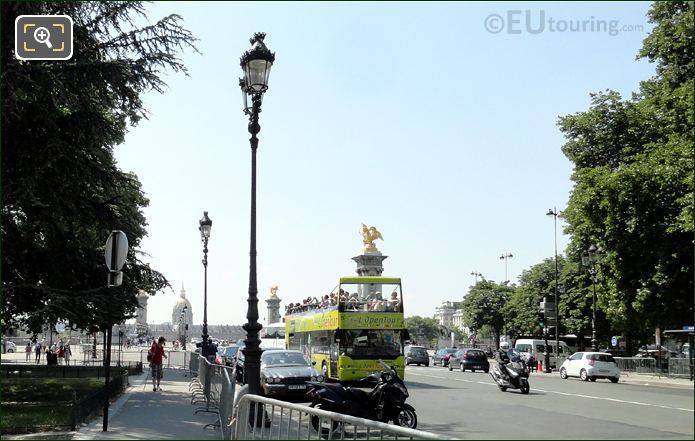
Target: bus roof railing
[[370, 279]]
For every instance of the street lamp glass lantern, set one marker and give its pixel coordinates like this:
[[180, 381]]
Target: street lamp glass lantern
[[256, 63], [205, 226]]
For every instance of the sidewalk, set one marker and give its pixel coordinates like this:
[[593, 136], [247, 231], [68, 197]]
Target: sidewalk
[[141, 413]]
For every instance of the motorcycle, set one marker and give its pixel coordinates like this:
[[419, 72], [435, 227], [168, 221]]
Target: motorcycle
[[512, 374], [384, 403]]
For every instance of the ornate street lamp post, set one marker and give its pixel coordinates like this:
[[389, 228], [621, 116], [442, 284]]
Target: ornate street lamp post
[[204, 228], [183, 318], [553, 213], [256, 63], [505, 257], [589, 259]]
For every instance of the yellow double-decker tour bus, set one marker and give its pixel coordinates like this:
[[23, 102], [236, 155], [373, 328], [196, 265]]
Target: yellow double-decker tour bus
[[347, 331]]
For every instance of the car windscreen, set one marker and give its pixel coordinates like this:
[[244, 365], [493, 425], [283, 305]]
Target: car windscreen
[[606, 358], [231, 351], [418, 351], [284, 358]]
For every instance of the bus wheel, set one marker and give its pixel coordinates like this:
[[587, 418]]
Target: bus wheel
[[324, 370]]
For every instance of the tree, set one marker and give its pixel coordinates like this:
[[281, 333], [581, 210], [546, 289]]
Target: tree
[[62, 190], [486, 305], [422, 328], [633, 191]]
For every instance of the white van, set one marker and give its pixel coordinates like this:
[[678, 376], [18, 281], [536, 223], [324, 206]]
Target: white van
[[537, 347]]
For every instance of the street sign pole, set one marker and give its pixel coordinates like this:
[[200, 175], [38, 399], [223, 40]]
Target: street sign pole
[[115, 255]]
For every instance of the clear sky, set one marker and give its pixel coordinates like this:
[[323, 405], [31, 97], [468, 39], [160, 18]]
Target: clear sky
[[412, 117]]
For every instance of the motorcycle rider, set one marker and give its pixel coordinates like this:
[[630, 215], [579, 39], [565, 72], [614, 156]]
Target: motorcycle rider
[[502, 358]]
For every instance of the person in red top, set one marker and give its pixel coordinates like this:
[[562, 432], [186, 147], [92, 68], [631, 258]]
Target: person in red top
[[157, 361]]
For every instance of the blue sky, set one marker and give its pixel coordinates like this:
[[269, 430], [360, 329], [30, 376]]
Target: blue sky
[[408, 116]]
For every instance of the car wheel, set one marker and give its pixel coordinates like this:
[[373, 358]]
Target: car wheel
[[463, 369], [583, 375], [487, 371], [563, 373], [427, 365], [472, 370], [614, 379], [592, 379], [451, 368], [503, 388]]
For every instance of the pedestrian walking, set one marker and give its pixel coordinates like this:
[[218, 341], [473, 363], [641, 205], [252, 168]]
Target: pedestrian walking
[[67, 353], [27, 351], [158, 357], [37, 349]]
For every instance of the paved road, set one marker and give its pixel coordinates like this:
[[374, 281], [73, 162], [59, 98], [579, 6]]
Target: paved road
[[469, 405]]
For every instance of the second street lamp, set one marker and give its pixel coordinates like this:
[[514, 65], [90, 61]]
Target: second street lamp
[[204, 228], [505, 257], [589, 259], [256, 63], [553, 213]]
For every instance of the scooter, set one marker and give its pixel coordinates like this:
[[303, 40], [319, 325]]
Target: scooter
[[512, 374], [385, 402]]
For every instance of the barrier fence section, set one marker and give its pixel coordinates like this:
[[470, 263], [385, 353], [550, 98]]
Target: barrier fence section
[[218, 384], [283, 420], [638, 365], [680, 367], [174, 359]]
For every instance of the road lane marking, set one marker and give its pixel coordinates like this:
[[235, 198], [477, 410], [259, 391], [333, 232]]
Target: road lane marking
[[593, 397]]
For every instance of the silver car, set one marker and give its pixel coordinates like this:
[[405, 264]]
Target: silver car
[[285, 373]]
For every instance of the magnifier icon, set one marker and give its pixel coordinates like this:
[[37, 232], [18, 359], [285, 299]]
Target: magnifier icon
[[42, 35]]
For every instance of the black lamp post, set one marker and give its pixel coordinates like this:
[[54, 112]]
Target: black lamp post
[[589, 259], [256, 63], [553, 213], [183, 317], [204, 228], [505, 257]]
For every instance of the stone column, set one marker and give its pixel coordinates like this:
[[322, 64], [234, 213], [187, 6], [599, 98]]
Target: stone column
[[273, 306], [369, 264]]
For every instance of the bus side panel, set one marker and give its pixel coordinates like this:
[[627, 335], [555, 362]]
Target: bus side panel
[[351, 370]]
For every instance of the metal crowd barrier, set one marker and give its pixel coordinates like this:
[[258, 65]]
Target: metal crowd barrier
[[175, 359], [283, 420], [218, 389], [638, 365], [681, 367]]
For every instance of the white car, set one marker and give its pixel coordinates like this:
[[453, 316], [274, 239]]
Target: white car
[[10, 347], [590, 366]]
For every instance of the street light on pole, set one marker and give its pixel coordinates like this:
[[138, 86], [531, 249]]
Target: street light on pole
[[256, 63], [204, 228], [183, 315], [589, 259], [505, 257], [553, 212], [476, 274]]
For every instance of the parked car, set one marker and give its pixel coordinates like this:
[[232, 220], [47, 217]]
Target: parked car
[[416, 355], [228, 353], [285, 373], [10, 347], [442, 356], [469, 358], [590, 366], [239, 366], [614, 352]]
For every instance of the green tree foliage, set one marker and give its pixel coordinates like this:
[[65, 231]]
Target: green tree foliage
[[422, 327], [486, 305], [633, 178], [62, 190]]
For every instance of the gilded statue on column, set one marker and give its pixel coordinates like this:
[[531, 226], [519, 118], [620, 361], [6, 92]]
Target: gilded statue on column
[[369, 235]]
